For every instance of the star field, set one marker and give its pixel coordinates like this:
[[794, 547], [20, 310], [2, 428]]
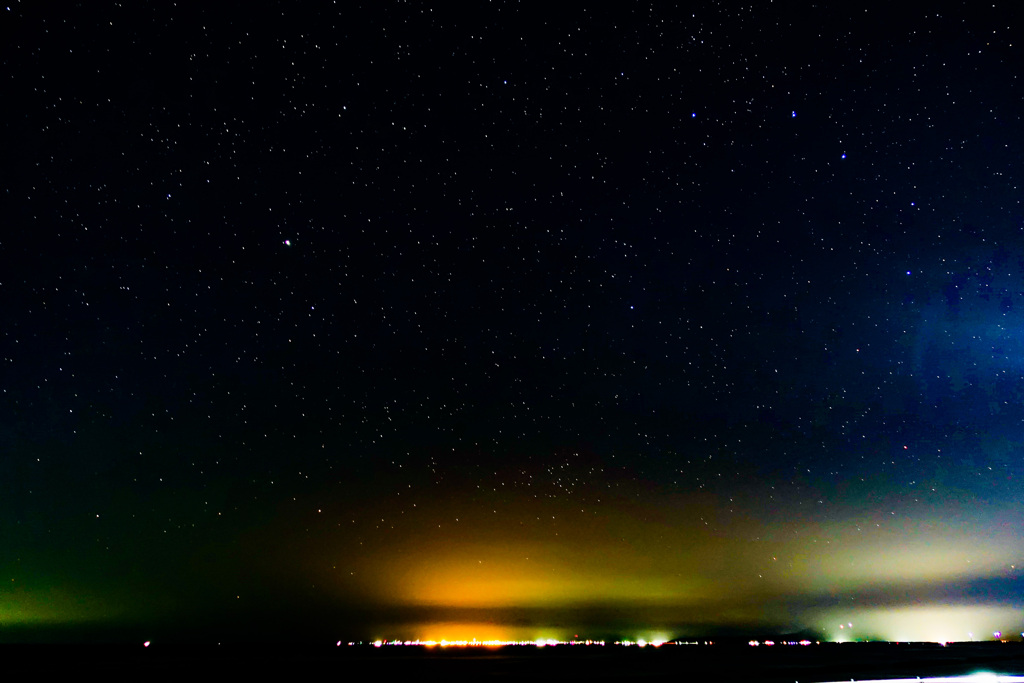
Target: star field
[[345, 315]]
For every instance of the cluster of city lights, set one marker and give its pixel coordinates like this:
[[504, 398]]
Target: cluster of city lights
[[553, 642], [540, 642]]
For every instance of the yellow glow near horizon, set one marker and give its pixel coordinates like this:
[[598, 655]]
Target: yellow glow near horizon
[[463, 554], [931, 554], [658, 563], [495, 567], [928, 623]]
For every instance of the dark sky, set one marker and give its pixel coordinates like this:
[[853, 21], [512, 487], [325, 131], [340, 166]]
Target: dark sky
[[342, 320]]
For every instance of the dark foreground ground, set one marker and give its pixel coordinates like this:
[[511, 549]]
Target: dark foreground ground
[[729, 662]]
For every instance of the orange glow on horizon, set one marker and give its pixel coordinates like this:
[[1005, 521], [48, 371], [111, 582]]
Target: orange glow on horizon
[[448, 632], [471, 634], [509, 586]]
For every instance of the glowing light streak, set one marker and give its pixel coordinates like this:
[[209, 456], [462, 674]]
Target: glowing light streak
[[981, 677]]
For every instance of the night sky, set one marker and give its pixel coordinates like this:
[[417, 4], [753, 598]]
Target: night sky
[[352, 321]]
